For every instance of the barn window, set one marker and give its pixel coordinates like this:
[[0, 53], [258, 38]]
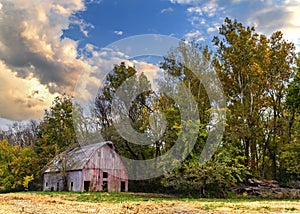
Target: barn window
[[57, 186], [71, 186], [105, 175]]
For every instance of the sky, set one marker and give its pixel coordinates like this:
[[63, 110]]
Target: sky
[[46, 45]]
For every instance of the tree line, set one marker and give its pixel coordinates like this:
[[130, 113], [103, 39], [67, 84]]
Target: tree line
[[260, 77]]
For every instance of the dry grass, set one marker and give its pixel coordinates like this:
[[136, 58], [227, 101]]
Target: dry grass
[[36, 203]]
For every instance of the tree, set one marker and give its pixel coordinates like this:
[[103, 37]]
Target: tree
[[293, 97], [17, 165], [56, 132], [21, 134], [290, 158], [238, 62], [281, 69], [180, 63], [212, 179], [255, 72], [138, 112]]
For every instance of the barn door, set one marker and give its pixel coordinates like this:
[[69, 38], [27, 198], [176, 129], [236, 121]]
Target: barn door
[[105, 186], [86, 185], [123, 186]]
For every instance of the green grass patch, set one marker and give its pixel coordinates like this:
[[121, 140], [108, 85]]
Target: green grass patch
[[110, 197], [263, 208], [239, 207], [290, 209], [210, 206], [98, 197]]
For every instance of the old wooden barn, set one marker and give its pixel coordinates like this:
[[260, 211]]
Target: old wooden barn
[[95, 167]]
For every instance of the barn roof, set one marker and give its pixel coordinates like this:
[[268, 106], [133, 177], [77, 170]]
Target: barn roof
[[74, 159]]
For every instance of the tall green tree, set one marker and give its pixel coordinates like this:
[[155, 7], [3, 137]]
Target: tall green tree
[[138, 112], [56, 132], [255, 72], [240, 67], [17, 164], [293, 97], [290, 158]]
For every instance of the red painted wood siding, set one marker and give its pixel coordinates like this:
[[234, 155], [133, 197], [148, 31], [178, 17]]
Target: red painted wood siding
[[105, 160]]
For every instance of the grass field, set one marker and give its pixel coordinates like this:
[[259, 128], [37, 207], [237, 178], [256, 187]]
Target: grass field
[[66, 202]]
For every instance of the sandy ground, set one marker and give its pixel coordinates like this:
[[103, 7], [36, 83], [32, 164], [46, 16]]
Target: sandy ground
[[34, 203]]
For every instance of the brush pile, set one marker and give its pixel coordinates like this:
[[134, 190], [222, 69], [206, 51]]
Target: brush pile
[[268, 189]]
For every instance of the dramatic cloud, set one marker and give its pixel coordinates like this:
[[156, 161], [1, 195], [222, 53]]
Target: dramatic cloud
[[36, 62], [282, 16], [22, 98], [267, 16]]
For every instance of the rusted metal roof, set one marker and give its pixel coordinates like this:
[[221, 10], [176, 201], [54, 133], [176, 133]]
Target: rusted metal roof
[[74, 159]]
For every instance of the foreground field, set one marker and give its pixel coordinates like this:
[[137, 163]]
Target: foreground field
[[38, 202]]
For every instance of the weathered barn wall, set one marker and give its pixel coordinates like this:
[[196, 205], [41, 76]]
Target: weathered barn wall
[[96, 178], [105, 160], [54, 181], [75, 177], [51, 180]]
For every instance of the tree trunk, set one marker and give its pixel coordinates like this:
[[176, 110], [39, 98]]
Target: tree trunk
[[247, 150]]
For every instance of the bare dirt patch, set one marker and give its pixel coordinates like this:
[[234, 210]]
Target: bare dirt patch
[[35, 203]]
